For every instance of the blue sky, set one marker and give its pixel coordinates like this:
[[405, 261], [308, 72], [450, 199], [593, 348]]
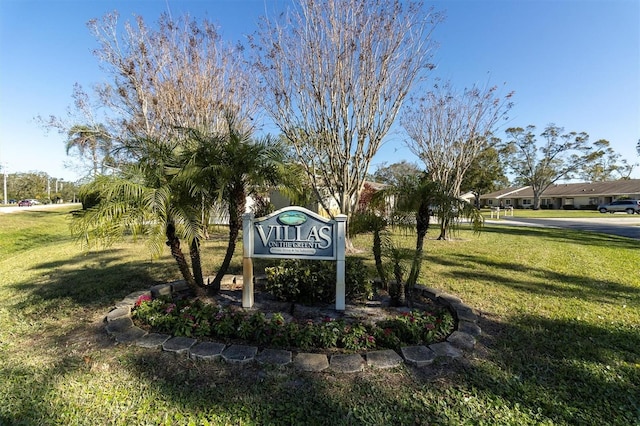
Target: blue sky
[[575, 63]]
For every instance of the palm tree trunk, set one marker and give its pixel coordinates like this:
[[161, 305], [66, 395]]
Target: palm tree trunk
[[173, 242], [236, 209], [196, 264], [377, 255], [422, 226]]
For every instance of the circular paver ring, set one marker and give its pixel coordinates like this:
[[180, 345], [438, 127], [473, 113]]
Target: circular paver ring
[[120, 326]]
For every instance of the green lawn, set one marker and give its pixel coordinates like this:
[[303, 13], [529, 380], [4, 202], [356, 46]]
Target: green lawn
[[560, 311], [529, 213]]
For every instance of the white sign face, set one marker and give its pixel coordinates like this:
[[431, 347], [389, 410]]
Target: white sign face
[[294, 232]]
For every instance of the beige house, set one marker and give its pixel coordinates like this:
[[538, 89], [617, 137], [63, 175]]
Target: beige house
[[278, 200], [565, 195]]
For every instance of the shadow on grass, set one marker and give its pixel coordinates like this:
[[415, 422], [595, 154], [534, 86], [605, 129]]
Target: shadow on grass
[[92, 279], [565, 235], [244, 392], [539, 280], [283, 396], [571, 372], [26, 388]]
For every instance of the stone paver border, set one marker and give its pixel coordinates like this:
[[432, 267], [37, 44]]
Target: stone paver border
[[120, 326]]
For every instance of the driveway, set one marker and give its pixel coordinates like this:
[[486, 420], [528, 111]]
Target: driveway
[[618, 224]]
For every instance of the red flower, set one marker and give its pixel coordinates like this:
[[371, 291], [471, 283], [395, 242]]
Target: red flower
[[142, 299]]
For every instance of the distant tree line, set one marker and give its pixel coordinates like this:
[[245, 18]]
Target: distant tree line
[[39, 186]]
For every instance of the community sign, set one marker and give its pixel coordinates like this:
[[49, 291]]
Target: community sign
[[293, 233]]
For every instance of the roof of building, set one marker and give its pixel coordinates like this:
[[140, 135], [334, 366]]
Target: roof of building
[[614, 188]]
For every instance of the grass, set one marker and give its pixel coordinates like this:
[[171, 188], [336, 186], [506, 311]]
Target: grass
[[548, 214], [560, 311]]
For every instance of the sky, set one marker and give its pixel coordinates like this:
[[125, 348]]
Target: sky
[[574, 63]]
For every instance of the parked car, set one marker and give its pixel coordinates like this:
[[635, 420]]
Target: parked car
[[25, 203], [628, 206]]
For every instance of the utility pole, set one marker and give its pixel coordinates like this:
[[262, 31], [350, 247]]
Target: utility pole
[[4, 172]]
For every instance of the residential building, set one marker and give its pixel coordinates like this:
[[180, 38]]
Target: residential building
[[565, 195]]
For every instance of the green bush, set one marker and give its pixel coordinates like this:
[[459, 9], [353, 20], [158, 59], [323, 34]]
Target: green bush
[[312, 281], [589, 207], [89, 198]]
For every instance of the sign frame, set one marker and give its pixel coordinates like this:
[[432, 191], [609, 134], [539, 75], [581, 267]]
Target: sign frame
[[286, 228]]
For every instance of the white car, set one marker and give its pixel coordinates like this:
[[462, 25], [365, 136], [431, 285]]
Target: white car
[[627, 206]]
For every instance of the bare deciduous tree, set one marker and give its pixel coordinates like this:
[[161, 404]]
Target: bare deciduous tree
[[449, 130], [335, 74], [178, 75]]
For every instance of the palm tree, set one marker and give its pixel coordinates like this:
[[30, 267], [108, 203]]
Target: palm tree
[[147, 199], [414, 200], [92, 138], [173, 185], [227, 168]]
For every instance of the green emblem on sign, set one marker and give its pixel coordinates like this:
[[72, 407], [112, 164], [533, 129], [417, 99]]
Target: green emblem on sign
[[292, 218]]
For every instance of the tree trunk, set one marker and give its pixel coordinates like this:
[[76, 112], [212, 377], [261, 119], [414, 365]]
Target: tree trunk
[[173, 242], [236, 209], [377, 256], [397, 271], [402, 293], [196, 264], [444, 226], [422, 226], [536, 200]]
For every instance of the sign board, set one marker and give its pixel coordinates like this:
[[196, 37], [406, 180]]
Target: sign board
[[293, 233]]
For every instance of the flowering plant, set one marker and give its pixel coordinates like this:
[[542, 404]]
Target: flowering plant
[[196, 319]]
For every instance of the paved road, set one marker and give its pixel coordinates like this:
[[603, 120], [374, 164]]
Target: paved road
[[621, 225], [14, 208]]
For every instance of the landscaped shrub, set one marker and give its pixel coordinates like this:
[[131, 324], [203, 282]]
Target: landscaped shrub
[[589, 207], [89, 199], [196, 319], [309, 282]]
